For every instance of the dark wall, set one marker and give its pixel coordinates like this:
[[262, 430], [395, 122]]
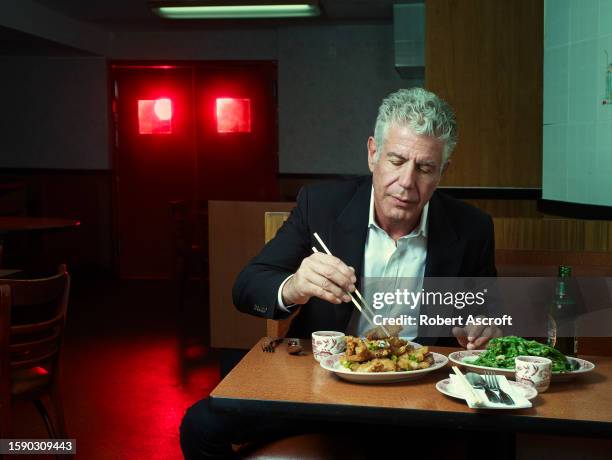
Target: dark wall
[[55, 113]]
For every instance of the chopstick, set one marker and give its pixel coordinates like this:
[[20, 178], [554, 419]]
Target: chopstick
[[365, 305], [353, 299], [466, 384]]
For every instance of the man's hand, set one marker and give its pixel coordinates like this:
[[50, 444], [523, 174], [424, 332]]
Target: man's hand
[[323, 276], [474, 337]]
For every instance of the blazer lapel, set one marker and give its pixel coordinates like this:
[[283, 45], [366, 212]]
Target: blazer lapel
[[444, 251], [444, 255], [348, 237], [348, 233]]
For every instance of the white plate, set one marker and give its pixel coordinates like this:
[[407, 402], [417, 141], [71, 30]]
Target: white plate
[[445, 386], [332, 364], [464, 357]]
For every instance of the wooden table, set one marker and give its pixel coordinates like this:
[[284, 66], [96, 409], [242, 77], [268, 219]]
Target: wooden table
[[12, 225], [278, 384]]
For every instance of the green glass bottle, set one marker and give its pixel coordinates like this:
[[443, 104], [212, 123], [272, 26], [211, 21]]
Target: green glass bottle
[[561, 317]]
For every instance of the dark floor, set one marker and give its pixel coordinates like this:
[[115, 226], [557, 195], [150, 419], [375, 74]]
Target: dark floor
[[122, 388]]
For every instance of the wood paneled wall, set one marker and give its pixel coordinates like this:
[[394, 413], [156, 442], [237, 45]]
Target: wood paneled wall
[[507, 208], [553, 234], [485, 58]]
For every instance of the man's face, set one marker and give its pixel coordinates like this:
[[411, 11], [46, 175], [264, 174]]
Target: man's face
[[405, 176]]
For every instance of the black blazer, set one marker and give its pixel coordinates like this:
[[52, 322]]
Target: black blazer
[[460, 243]]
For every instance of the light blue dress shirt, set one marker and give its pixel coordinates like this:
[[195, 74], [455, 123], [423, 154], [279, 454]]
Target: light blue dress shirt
[[393, 265]]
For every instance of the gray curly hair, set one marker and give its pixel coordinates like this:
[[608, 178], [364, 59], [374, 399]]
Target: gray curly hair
[[423, 111]]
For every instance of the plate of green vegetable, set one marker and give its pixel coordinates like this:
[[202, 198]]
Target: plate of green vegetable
[[500, 354]]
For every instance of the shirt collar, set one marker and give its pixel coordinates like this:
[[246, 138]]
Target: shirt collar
[[420, 230]]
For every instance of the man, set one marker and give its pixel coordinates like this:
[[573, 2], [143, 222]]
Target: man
[[392, 223]]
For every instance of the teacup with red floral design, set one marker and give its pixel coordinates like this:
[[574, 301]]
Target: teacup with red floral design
[[327, 343], [533, 370]]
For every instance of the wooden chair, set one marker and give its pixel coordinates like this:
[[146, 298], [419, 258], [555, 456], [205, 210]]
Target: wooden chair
[[273, 221], [32, 319]]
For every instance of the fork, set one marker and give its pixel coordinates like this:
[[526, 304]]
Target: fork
[[493, 383], [269, 345]]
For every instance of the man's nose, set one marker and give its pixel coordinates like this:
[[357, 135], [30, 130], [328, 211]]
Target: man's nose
[[407, 175]]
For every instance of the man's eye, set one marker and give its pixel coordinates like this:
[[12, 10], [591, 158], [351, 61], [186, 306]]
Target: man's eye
[[425, 169]]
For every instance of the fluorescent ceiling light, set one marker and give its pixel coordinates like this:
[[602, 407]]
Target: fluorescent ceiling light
[[238, 11]]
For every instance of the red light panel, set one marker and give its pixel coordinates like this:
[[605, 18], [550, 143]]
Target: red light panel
[[233, 115], [163, 109], [155, 116]]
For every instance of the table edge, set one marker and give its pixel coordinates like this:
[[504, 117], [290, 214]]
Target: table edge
[[477, 420]]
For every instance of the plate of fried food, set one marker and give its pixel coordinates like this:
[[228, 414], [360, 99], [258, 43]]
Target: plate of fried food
[[383, 360]]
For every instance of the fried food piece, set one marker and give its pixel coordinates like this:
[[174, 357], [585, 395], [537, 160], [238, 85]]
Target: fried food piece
[[420, 352], [396, 342], [351, 343], [405, 363], [357, 350], [427, 361], [377, 365], [399, 346], [419, 358], [360, 350], [377, 333], [380, 353]]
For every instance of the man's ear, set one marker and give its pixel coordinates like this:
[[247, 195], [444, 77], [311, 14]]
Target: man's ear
[[371, 153], [445, 167]]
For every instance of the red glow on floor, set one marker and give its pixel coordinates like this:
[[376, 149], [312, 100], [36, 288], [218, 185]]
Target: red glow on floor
[[233, 115], [123, 395]]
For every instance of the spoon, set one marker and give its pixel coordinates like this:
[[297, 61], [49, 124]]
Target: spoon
[[294, 347]]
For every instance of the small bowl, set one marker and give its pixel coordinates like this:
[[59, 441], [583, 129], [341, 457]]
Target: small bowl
[[327, 343], [533, 370]]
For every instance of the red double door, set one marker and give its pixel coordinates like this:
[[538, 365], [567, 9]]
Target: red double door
[[196, 132]]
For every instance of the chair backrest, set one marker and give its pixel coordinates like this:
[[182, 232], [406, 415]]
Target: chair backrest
[[33, 325], [273, 221]]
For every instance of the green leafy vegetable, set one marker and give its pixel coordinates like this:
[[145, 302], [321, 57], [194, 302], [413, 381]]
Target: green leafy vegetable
[[502, 351]]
